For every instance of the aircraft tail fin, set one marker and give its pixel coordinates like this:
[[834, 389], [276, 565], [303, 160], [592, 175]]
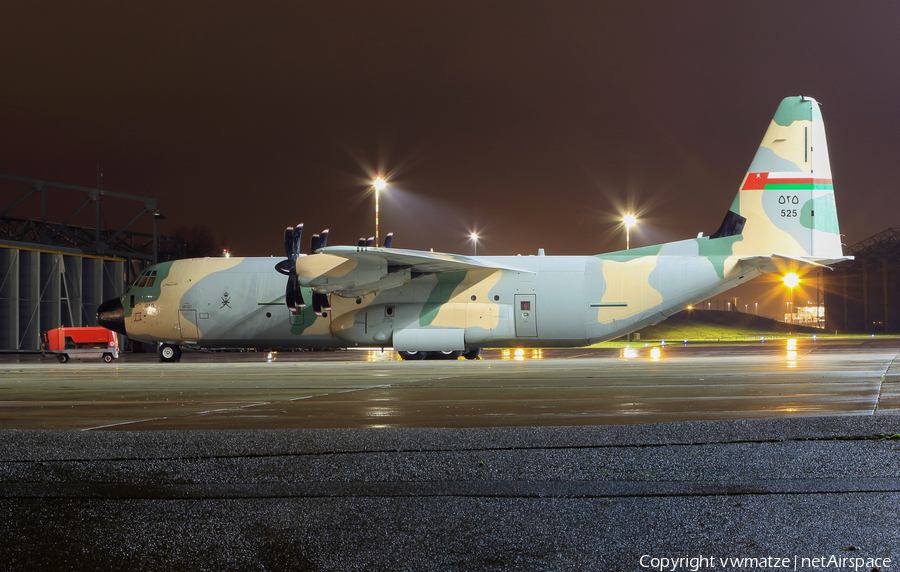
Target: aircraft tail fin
[[785, 204]]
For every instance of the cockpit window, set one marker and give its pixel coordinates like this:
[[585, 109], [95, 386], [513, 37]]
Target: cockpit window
[[146, 279]]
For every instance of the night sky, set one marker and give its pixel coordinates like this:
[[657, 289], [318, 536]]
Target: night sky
[[535, 123]]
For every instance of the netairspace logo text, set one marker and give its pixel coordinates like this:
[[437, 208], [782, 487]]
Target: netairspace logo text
[[697, 563]]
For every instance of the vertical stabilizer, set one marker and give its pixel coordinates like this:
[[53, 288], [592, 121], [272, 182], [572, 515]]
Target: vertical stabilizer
[[787, 196]]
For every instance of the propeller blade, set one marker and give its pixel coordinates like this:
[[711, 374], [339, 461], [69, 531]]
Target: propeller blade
[[314, 243], [370, 241], [293, 296], [388, 240], [289, 298], [362, 242], [289, 241], [285, 267], [298, 232], [323, 241], [317, 303], [300, 302]]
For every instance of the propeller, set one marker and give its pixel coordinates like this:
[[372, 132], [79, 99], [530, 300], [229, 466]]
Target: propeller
[[293, 296], [361, 242], [370, 241]]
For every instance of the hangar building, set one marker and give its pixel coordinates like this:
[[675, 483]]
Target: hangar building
[[57, 274], [863, 295]]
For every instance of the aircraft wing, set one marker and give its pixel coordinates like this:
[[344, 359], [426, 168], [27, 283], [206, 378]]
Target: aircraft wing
[[779, 263], [417, 261]]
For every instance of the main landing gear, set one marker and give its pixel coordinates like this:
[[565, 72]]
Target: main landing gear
[[446, 355]]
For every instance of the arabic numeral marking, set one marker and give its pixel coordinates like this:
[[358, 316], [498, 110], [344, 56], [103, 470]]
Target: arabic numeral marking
[[788, 200], [788, 213]]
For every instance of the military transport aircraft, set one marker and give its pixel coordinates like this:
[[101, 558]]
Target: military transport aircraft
[[427, 304]]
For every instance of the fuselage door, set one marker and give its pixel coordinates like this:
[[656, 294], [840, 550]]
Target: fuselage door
[[526, 317], [187, 322]]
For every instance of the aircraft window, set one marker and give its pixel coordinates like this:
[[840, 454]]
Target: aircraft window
[[153, 273], [142, 282], [496, 298], [525, 305], [151, 281]]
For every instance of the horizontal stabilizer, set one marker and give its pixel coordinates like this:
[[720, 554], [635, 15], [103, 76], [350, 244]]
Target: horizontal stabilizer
[[779, 263]]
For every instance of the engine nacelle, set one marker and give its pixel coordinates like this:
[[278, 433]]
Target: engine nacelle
[[326, 273]]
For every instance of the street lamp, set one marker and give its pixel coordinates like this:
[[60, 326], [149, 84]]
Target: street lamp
[[474, 237], [379, 185], [630, 220]]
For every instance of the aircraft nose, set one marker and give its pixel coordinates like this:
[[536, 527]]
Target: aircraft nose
[[111, 315]]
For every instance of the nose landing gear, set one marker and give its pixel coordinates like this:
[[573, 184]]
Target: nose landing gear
[[169, 353]]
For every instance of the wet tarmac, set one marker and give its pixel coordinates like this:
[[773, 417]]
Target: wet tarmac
[[747, 455], [365, 389]]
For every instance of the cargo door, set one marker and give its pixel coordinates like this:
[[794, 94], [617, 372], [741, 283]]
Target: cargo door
[[187, 322], [526, 316]]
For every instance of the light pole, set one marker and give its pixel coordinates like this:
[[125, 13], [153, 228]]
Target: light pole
[[819, 278], [757, 307], [474, 237], [791, 280], [630, 220], [379, 185]]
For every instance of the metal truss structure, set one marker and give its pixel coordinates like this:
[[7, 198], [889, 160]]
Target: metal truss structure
[[863, 295], [97, 240]]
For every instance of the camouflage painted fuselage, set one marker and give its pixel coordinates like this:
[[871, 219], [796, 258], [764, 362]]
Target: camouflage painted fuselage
[[554, 301]]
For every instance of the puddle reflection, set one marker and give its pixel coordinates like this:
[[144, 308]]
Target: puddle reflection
[[521, 354]]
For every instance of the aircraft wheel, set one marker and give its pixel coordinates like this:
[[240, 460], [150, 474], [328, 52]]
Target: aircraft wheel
[[107, 358], [169, 353], [410, 356], [444, 355], [472, 354], [63, 358]]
